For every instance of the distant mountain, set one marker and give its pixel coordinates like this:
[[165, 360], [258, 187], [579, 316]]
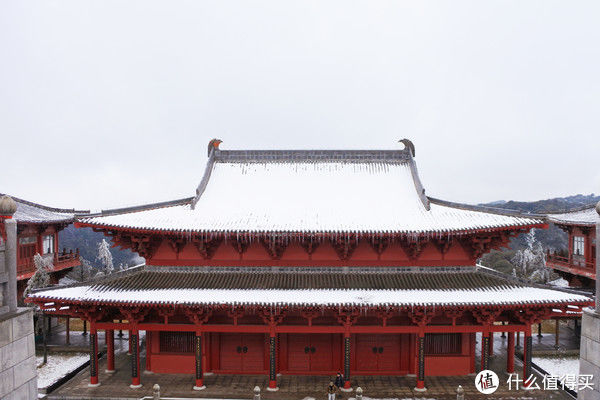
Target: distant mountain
[[552, 238], [557, 204]]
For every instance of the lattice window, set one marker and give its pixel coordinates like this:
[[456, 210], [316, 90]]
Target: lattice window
[[176, 342], [443, 343], [48, 244], [578, 245]]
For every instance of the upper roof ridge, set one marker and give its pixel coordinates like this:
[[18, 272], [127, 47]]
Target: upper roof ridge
[[310, 155], [47, 208], [293, 156]]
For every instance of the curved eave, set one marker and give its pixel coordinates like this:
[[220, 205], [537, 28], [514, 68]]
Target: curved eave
[[406, 306], [571, 223], [46, 221], [536, 224]]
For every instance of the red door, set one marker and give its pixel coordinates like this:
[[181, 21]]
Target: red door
[[242, 352], [312, 353], [366, 352], [379, 353]]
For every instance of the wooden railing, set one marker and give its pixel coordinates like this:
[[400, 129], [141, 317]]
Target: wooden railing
[[59, 260], [571, 264]]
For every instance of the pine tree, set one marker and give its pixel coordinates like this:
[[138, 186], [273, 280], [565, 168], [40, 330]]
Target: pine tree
[[105, 257], [530, 263], [40, 278]]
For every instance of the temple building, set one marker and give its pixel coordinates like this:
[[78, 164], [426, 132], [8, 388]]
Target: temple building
[[310, 262], [37, 233], [578, 267]]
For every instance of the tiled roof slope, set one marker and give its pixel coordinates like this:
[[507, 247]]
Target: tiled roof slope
[[581, 216], [311, 286], [311, 191], [29, 212]]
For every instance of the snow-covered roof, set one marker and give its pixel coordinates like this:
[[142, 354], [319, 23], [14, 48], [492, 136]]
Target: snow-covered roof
[[425, 286], [581, 216], [33, 213], [310, 191]]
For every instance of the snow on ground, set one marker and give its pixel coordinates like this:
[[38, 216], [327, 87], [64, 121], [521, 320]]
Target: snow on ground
[[558, 366], [560, 282], [58, 365]]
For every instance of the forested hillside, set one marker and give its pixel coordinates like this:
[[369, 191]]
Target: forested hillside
[[87, 241], [553, 238]]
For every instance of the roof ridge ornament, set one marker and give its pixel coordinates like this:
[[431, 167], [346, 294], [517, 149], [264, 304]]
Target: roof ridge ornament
[[408, 145], [213, 145], [213, 148]]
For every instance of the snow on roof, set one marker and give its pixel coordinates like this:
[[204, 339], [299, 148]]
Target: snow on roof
[[582, 216], [29, 212], [310, 191], [366, 287]]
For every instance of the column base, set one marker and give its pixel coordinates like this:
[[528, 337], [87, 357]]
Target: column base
[[345, 390], [270, 389], [199, 387], [93, 384], [208, 373], [109, 371], [147, 372], [418, 389], [135, 386]]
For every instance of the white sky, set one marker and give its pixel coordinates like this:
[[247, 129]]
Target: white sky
[[112, 103]]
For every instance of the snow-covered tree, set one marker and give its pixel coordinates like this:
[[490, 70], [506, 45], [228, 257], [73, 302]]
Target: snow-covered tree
[[85, 270], [530, 263], [40, 278], [105, 257]]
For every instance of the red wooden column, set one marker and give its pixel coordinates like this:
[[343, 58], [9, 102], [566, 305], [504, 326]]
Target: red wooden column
[[109, 337], [485, 349], [491, 350], [272, 360], [421, 362], [135, 358], [148, 352], [527, 356], [68, 332], [198, 360], [93, 356], [129, 343], [510, 356], [347, 355]]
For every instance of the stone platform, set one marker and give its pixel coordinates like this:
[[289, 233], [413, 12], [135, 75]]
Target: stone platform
[[116, 386], [18, 378]]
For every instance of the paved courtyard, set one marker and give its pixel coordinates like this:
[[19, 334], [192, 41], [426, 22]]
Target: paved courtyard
[[116, 386]]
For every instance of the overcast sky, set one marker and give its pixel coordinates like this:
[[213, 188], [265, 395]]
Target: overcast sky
[[112, 103]]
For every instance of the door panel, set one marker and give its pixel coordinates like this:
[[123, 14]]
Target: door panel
[[242, 352], [366, 358], [229, 352], [311, 353], [253, 356], [379, 353], [298, 352], [389, 353], [321, 353]]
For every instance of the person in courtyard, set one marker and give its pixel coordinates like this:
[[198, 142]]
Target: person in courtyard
[[331, 391], [339, 380]]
